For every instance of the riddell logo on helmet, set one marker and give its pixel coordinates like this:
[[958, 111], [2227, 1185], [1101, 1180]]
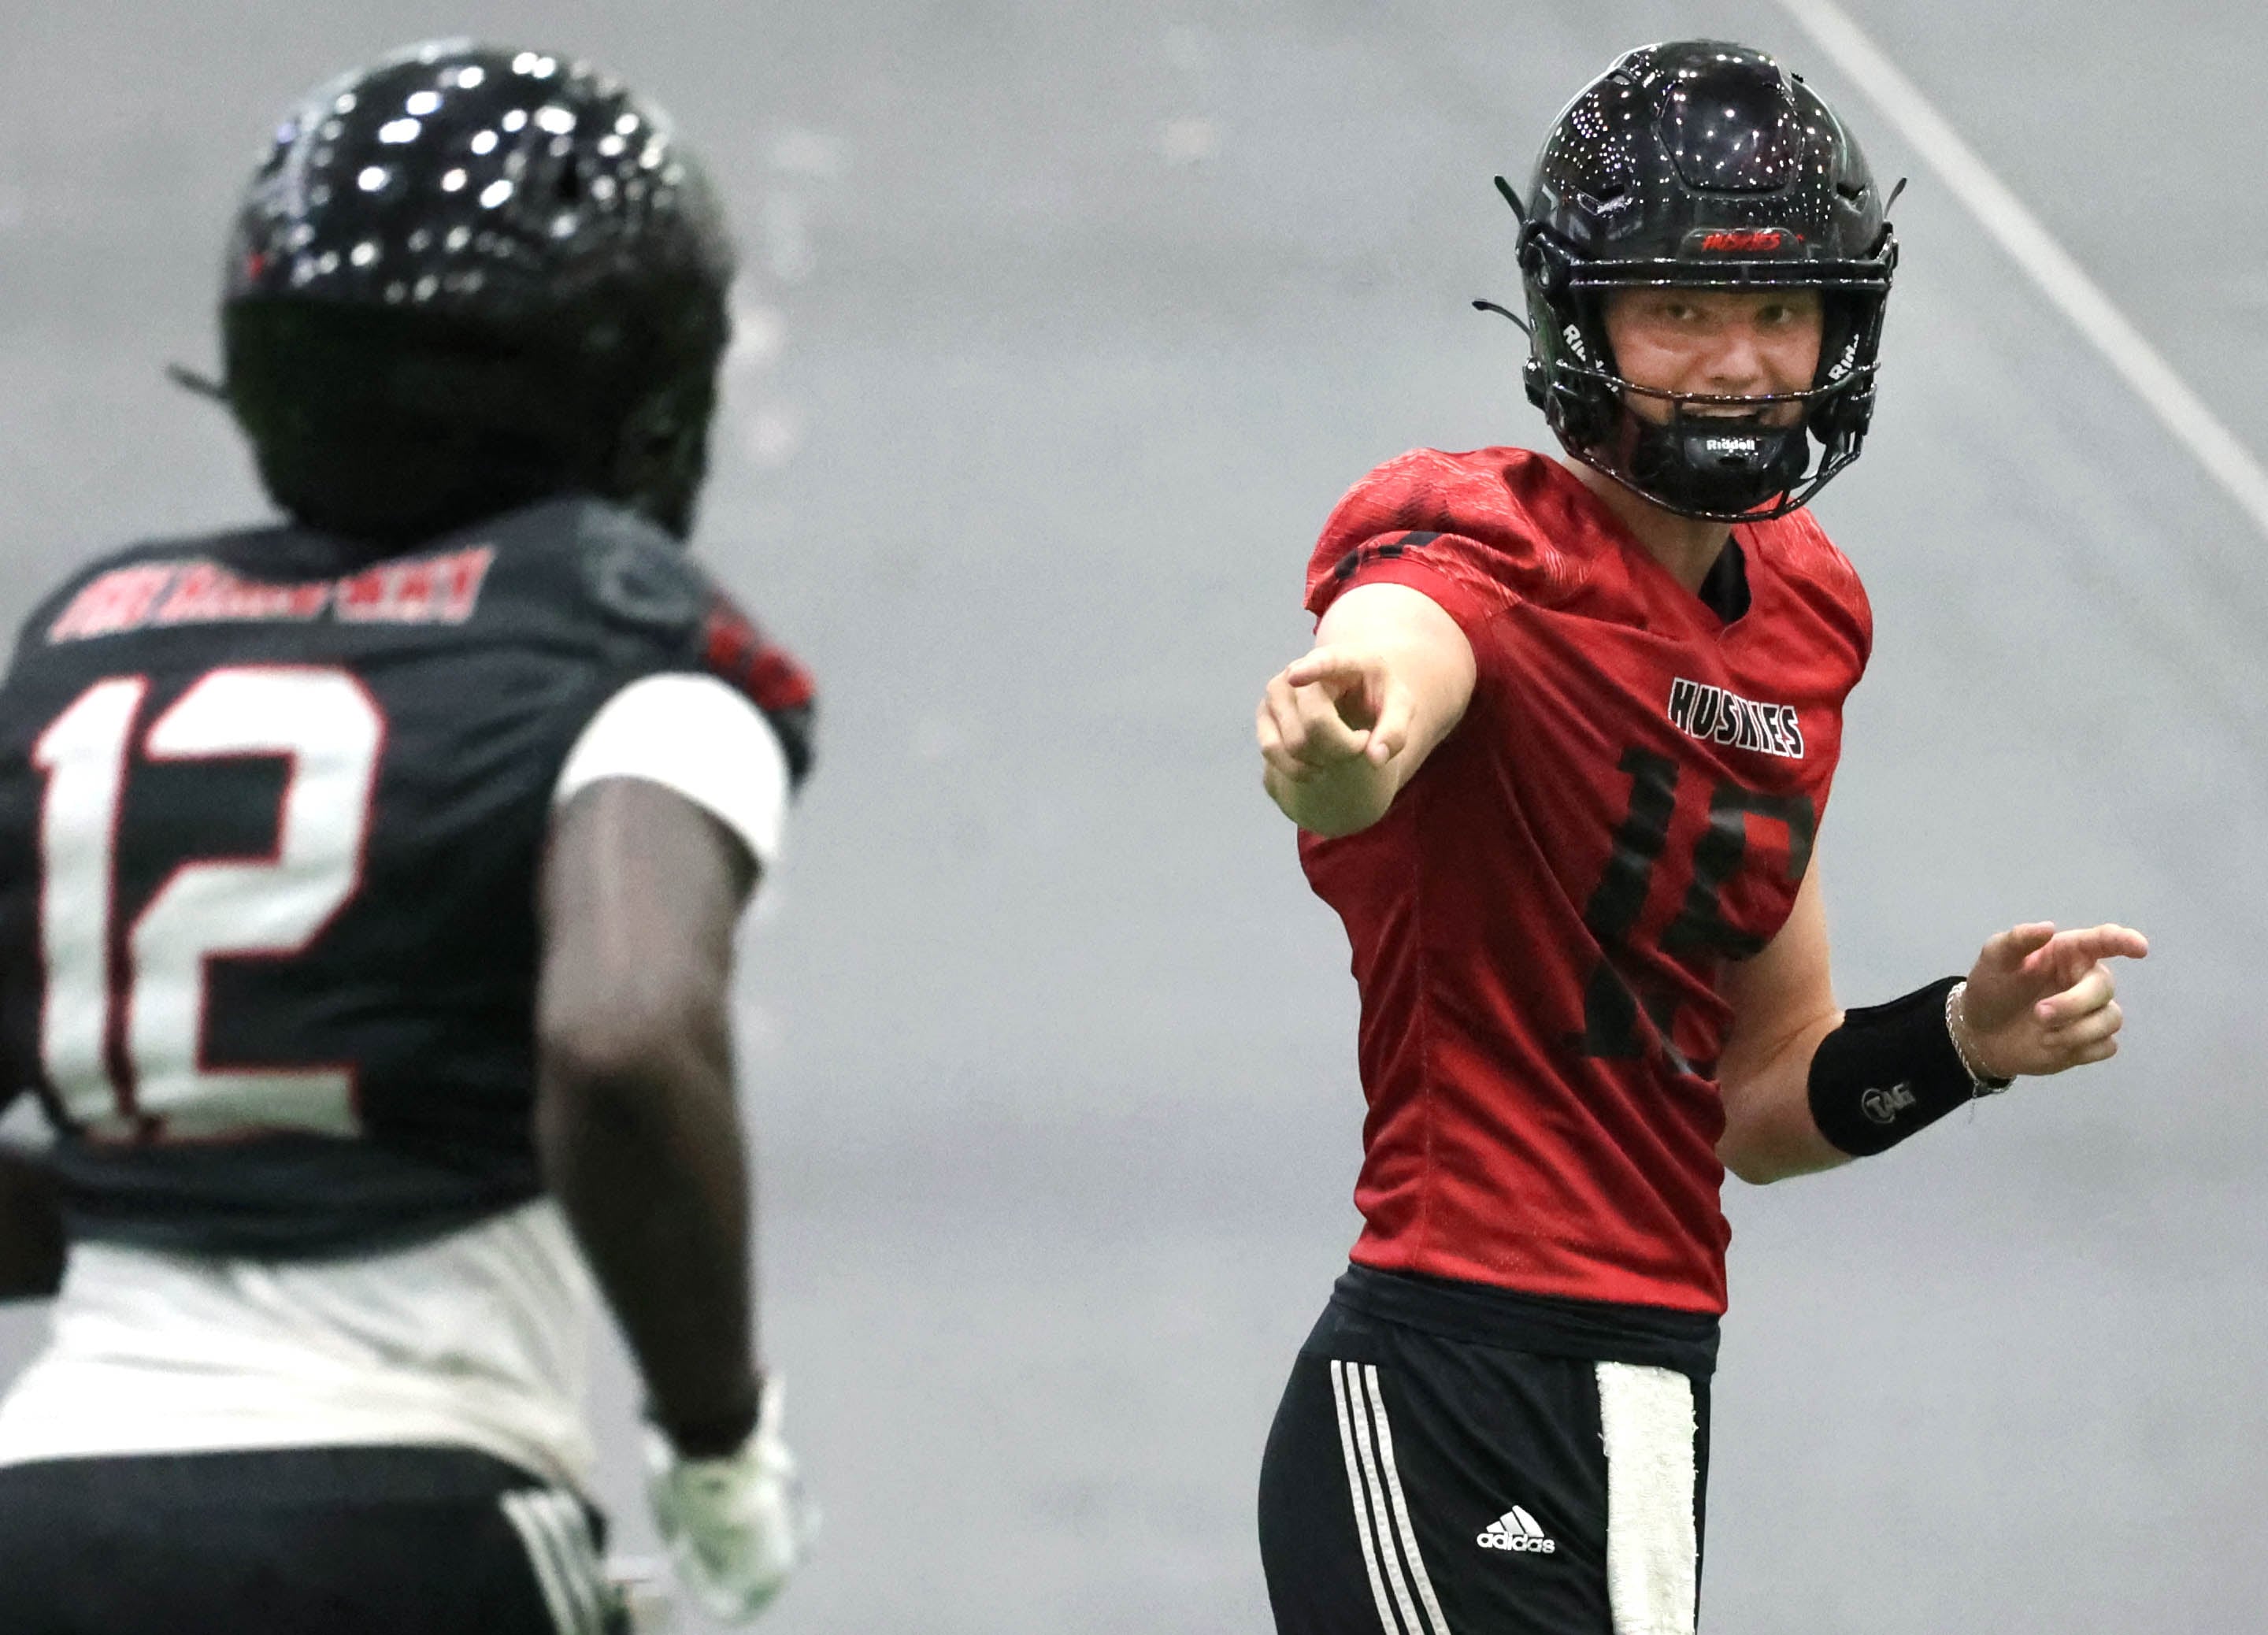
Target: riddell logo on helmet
[[1743, 241]]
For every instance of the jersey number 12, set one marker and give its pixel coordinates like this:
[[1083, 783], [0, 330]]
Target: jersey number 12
[[122, 1018]]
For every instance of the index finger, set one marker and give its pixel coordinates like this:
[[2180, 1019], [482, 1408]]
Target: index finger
[[2105, 942], [1329, 664]]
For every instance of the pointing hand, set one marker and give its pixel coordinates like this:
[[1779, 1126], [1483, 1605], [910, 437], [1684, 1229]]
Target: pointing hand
[[2040, 1001]]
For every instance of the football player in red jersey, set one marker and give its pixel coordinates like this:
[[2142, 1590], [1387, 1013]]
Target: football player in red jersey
[[1560, 756]]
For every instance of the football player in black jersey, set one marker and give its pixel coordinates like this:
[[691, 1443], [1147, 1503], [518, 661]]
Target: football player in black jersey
[[367, 887]]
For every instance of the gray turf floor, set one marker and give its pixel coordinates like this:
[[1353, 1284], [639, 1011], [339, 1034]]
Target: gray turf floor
[[1066, 328]]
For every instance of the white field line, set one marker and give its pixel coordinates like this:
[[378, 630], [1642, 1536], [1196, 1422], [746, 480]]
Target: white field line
[[2034, 248]]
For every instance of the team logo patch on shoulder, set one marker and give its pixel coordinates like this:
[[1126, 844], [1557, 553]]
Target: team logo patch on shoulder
[[1717, 717]]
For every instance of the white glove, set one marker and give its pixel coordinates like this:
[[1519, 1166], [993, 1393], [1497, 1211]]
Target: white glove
[[734, 1527]]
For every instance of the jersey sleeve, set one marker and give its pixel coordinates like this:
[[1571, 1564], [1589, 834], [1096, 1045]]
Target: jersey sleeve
[[671, 615], [735, 650], [704, 704], [1445, 526], [697, 737]]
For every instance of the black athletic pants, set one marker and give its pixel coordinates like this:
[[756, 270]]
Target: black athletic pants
[[1433, 1481], [315, 1541]]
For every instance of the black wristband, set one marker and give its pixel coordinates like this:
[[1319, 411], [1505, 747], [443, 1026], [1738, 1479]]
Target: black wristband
[[1887, 1072]]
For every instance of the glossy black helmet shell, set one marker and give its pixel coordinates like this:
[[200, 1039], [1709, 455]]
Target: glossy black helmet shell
[[467, 276], [1700, 162]]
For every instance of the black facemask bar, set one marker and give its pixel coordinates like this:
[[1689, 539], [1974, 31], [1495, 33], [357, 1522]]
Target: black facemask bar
[[1761, 403], [1778, 457], [1587, 402]]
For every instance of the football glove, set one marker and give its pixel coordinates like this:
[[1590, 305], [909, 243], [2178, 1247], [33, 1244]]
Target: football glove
[[735, 1527]]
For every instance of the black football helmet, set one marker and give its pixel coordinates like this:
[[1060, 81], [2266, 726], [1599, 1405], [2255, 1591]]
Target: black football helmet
[[466, 277], [1702, 164]]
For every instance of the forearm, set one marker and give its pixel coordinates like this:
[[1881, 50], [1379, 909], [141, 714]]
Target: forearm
[[1879, 1076], [647, 1158], [1344, 728], [31, 1230], [1345, 799], [1770, 1133]]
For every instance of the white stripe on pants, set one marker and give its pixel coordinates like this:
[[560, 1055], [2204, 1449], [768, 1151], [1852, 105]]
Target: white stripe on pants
[[1381, 1511], [557, 1532], [1653, 1551]]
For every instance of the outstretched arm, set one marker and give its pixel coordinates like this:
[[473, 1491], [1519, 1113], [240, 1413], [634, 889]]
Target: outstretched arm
[[2038, 1001], [635, 1123], [1343, 729]]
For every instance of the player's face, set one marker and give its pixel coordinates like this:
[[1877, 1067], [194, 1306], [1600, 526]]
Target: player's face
[[1720, 343]]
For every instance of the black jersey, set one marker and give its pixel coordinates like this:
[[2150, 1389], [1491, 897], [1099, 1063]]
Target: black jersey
[[270, 822]]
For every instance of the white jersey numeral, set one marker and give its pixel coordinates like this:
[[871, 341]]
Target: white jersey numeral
[[331, 731], [82, 752]]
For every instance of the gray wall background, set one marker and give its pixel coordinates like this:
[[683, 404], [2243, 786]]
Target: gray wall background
[[1062, 328]]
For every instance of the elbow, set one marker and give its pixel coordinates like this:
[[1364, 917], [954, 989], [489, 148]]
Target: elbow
[[1742, 1161], [1746, 1164], [1331, 812], [1749, 1151], [610, 1061], [1761, 1151]]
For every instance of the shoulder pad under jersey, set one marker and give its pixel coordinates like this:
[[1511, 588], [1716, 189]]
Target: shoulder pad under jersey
[[1491, 520], [638, 575]]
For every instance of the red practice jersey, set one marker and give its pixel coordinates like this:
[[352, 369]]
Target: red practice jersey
[[1539, 921]]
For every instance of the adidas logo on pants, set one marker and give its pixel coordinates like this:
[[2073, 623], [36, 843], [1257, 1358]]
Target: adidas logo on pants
[[1516, 1530]]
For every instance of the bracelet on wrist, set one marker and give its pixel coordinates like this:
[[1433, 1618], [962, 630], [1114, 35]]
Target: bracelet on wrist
[[1964, 1042]]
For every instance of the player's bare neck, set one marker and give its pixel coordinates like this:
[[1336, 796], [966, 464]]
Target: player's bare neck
[[1687, 547]]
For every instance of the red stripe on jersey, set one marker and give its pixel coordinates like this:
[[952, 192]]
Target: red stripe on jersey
[[736, 651], [1539, 922]]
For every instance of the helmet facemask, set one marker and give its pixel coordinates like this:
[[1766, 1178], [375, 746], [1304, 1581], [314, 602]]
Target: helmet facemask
[[1726, 458]]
